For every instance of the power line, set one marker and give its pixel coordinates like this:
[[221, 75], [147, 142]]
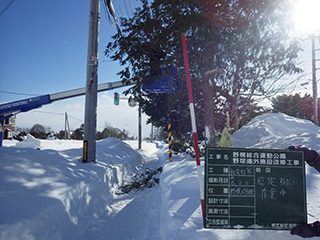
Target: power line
[[120, 8], [126, 7], [111, 13], [57, 113], [130, 7], [16, 93], [6, 7], [27, 78], [54, 113], [107, 14], [76, 118], [134, 5]]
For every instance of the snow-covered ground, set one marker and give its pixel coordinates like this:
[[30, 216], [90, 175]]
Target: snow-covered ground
[[46, 193]]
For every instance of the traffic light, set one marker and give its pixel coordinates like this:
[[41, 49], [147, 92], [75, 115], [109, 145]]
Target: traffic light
[[116, 98]]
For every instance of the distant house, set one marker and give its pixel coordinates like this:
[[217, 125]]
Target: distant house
[[8, 126]]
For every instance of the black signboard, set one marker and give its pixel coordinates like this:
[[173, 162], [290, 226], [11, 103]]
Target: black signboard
[[254, 188]]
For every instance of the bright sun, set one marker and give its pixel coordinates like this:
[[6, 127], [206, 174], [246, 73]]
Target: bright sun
[[307, 16]]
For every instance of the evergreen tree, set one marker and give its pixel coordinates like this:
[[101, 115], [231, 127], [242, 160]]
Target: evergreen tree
[[77, 134], [295, 105], [227, 58], [40, 131]]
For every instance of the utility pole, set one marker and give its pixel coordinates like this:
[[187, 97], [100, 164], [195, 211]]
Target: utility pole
[[66, 127], [139, 126], [90, 117], [314, 81]]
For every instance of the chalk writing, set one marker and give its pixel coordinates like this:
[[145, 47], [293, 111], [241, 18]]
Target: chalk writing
[[242, 191], [241, 171], [250, 188], [240, 181]]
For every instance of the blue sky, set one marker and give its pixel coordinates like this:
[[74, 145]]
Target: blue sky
[[44, 50], [44, 46]]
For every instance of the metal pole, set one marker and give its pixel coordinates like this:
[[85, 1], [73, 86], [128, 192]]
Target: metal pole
[[1, 135], [170, 142], [314, 81], [65, 125], [151, 136], [139, 127], [90, 117], [68, 126]]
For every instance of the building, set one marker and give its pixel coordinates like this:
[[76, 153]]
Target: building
[[8, 127]]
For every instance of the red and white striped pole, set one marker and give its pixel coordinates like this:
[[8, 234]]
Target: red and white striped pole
[[193, 121]]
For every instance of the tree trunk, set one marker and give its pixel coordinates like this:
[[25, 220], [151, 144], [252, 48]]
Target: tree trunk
[[209, 113]]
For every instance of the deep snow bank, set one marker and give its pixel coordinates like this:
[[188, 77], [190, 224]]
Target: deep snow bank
[[48, 194], [277, 130], [29, 142]]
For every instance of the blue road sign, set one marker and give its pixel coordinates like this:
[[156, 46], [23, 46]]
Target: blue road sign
[[166, 83]]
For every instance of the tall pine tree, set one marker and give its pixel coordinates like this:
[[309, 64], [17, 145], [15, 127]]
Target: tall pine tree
[[236, 48]]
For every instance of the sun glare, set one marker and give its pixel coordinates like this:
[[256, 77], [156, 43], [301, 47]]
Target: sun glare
[[307, 16]]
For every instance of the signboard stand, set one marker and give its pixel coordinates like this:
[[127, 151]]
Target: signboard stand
[[254, 188]]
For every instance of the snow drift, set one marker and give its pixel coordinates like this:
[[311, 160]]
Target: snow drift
[[49, 194], [277, 130]]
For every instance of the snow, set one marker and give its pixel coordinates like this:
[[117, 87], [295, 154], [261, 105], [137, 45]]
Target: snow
[[47, 193], [29, 142], [277, 130]]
